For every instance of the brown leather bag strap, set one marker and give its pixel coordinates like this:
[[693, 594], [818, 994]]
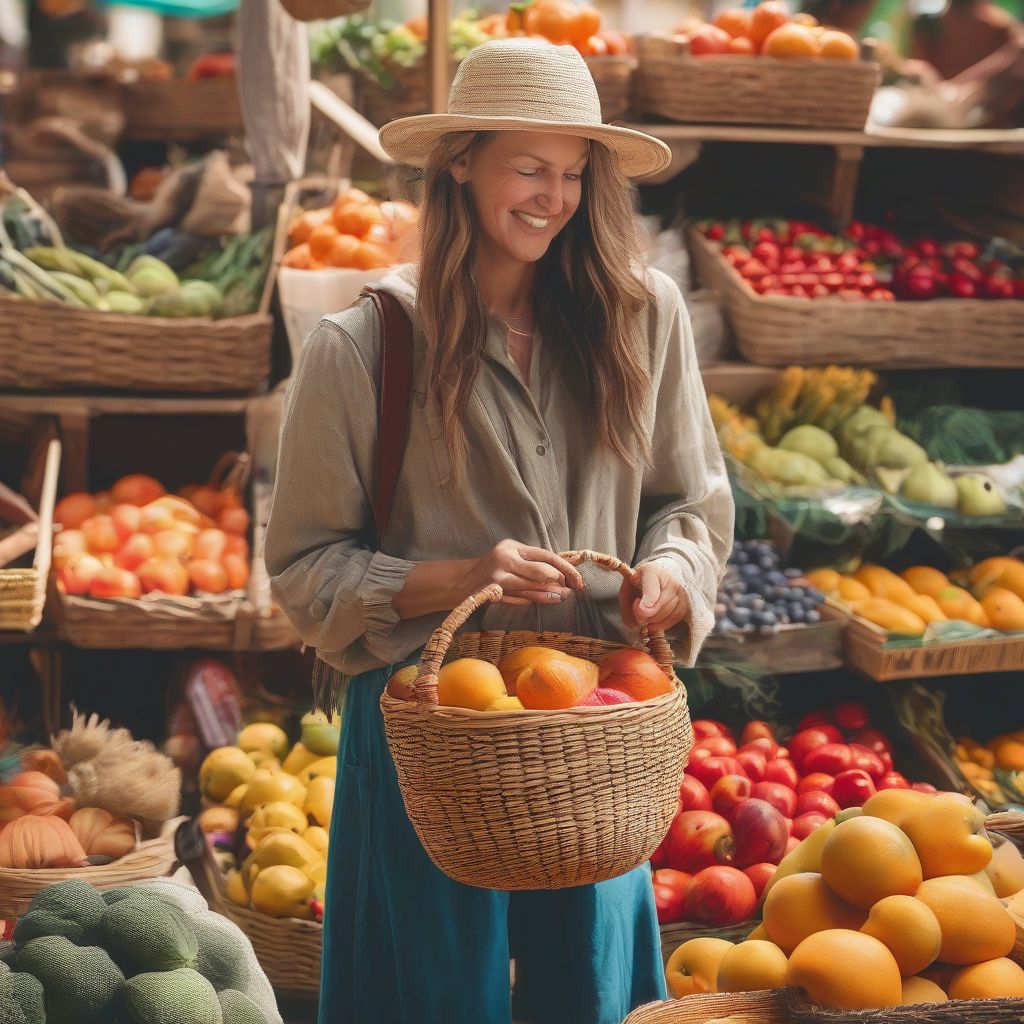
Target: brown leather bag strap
[[394, 399]]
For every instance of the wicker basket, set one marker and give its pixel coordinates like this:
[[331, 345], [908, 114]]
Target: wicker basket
[[752, 90], [537, 799], [176, 109], [613, 76], [152, 858], [780, 331], [765, 1007]]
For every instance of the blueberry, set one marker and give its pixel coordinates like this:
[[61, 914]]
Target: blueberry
[[793, 574], [741, 616], [815, 595], [797, 613], [739, 557], [749, 571], [813, 616], [766, 562], [779, 579], [797, 593]]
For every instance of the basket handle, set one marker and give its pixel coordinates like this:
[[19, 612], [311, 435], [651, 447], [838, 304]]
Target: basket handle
[[425, 687]]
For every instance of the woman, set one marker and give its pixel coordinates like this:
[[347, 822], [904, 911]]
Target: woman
[[556, 405]]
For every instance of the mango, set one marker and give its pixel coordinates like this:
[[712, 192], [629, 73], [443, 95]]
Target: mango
[[884, 583], [269, 785], [890, 616], [320, 735], [276, 815], [264, 736], [282, 891], [222, 771], [1004, 609], [299, 757], [279, 847]]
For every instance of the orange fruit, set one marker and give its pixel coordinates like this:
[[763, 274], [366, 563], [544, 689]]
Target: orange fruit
[[826, 580], [1010, 755], [891, 616], [908, 929], [735, 21], [321, 242], [635, 673], [895, 805], [921, 990], [1006, 870], [752, 966], [208, 575], [237, 570], [805, 19], [507, 703], [1005, 610], [765, 19], [693, 966], [866, 859], [73, 509], [356, 218], [838, 46], [975, 925], [853, 590], [958, 603], [371, 257], [584, 23], [845, 970], [948, 834], [883, 583], [515, 661], [742, 45], [164, 575], [552, 19], [925, 608], [800, 905], [469, 683], [923, 579], [1000, 978], [791, 41], [553, 683], [303, 225], [343, 252]]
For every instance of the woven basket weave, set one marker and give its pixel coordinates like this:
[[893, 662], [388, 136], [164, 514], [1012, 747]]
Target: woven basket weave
[[176, 109], [537, 799], [613, 76], [779, 331], [765, 1007], [753, 90]]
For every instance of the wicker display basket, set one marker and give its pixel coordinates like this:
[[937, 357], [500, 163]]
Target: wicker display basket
[[765, 1007], [537, 799], [752, 90], [176, 109], [152, 858], [613, 76], [780, 331]]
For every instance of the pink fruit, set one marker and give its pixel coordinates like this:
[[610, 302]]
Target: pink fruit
[[813, 718], [720, 895], [760, 875], [782, 771], [893, 780], [851, 715], [759, 833], [670, 894], [756, 730], [868, 761], [852, 788], [602, 696], [830, 758], [781, 797], [710, 769], [717, 746], [704, 727], [693, 795], [808, 739], [816, 781], [764, 745], [805, 824], [728, 793], [873, 739], [818, 802], [698, 839], [924, 787], [753, 762]]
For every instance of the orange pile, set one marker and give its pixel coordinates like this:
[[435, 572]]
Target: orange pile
[[566, 23]]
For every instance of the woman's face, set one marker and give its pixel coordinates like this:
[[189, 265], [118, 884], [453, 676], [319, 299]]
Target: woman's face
[[525, 187]]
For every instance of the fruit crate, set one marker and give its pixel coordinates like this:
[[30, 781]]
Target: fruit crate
[[736, 89], [816, 647], [866, 650], [175, 109], [776, 330]]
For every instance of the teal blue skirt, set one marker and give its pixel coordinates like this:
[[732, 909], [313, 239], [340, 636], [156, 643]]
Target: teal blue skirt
[[405, 944]]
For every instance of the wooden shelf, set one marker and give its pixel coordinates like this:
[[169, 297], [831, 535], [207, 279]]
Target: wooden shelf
[[65, 404], [813, 648]]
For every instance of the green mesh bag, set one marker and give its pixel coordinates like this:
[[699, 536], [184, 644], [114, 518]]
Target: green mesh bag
[[82, 984], [27, 994], [238, 1008], [172, 997], [144, 932], [71, 908]]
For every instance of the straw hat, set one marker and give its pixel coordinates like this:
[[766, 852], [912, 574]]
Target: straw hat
[[523, 84]]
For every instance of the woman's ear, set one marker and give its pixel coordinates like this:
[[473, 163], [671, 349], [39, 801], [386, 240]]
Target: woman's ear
[[460, 170]]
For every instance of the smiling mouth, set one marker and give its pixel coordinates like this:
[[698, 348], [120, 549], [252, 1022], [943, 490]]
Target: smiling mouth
[[533, 222]]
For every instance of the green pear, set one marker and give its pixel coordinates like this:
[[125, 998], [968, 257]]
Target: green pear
[[811, 441], [320, 735], [928, 483], [840, 469], [858, 422], [788, 467], [978, 496], [899, 451]]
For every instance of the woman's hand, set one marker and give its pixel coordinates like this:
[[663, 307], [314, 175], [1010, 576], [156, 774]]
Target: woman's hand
[[662, 602], [526, 574]]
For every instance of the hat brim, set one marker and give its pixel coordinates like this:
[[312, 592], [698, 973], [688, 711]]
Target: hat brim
[[409, 140]]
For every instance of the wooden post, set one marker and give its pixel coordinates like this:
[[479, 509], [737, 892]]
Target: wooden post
[[844, 182], [439, 16]]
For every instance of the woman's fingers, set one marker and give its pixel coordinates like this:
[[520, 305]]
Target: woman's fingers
[[570, 574]]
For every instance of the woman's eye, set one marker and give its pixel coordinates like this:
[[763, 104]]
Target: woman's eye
[[529, 173], [574, 177]]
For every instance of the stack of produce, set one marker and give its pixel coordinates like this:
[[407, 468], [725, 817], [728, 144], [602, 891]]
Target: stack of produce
[[137, 539], [992, 596], [538, 678], [268, 812], [84, 800], [801, 260], [767, 30], [745, 804], [895, 903], [996, 770], [140, 954], [355, 231], [758, 596]]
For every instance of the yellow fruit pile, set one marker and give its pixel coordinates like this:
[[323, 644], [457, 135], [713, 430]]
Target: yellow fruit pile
[[993, 597], [977, 762], [283, 797], [897, 904]]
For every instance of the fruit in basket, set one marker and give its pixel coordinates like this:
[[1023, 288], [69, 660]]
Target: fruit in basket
[[892, 617], [222, 771], [278, 815], [811, 441], [975, 925], [909, 930], [320, 735], [948, 833], [1000, 978], [1006, 870], [269, 785], [282, 891], [277, 847], [798, 905], [670, 894], [846, 970], [752, 966], [698, 839], [163, 575], [958, 603], [978, 496], [867, 859], [73, 509], [791, 40], [549, 684], [470, 683], [838, 46], [930, 484], [1002, 572], [734, 20], [693, 966], [920, 990], [728, 793], [1004, 609], [765, 19], [39, 841], [759, 834], [263, 736], [633, 672], [101, 834]]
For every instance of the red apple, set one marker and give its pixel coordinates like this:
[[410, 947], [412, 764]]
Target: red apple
[[893, 780], [813, 718], [704, 727], [886, 758], [816, 782], [670, 894], [698, 839], [760, 875], [763, 745], [807, 740], [792, 844], [924, 787], [720, 895], [868, 761], [659, 859], [789, 826], [698, 754], [756, 730], [782, 771], [873, 739], [728, 793], [805, 824], [630, 670], [818, 802], [830, 758], [693, 795], [753, 762], [759, 833], [851, 715], [717, 746], [782, 753], [852, 788], [78, 572], [781, 797], [711, 769]]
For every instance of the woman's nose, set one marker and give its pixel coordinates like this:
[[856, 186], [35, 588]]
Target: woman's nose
[[550, 197]]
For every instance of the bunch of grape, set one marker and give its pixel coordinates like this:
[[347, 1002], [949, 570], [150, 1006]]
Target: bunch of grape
[[759, 596]]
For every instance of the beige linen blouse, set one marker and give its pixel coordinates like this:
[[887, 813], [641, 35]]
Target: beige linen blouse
[[535, 475]]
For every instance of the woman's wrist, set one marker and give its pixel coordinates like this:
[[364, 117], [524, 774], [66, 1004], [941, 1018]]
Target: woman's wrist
[[432, 587]]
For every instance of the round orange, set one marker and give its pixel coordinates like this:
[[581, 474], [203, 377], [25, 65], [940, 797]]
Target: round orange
[[742, 45], [752, 966], [343, 252], [303, 225], [321, 242], [909, 929], [921, 990], [356, 218], [845, 970], [469, 683], [800, 905], [790, 41], [839, 46], [584, 23], [735, 21], [866, 859], [765, 19], [975, 925], [992, 979], [371, 257]]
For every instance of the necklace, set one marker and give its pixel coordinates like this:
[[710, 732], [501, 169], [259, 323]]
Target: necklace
[[507, 321]]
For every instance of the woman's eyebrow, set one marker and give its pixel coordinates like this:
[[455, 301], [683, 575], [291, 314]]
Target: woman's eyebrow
[[547, 163]]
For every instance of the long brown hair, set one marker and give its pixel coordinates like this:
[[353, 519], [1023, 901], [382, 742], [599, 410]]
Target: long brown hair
[[589, 295]]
